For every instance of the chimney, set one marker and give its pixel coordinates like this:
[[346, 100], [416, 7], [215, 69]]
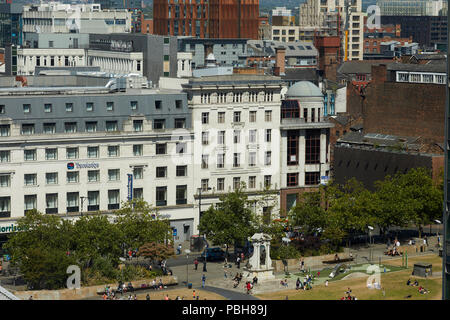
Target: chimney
[[279, 69]]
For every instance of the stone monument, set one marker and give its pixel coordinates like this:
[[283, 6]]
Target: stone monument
[[260, 264]]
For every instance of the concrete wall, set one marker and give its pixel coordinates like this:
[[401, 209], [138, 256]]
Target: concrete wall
[[84, 292]]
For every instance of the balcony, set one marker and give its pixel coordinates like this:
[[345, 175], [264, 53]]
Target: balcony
[[301, 123]]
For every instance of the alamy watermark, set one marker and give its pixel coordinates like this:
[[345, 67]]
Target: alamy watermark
[[74, 280]]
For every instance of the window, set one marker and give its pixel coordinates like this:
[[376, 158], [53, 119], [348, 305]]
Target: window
[[158, 104], [180, 123], [30, 179], [312, 152], [267, 181], [2, 108], [138, 173], [221, 117], [111, 126], [113, 151], [268, 158], [5, 130], [5, 207], [138, 193], [73, 176], [252, 159], [252, 182], [26, 108], [161, 172], [138, 125], [69, 107], [161, 148], [89, 106], [220, 160], [236, 183], [47, 107], [72, 201], [205, 138], [268, 135], [27, 129], [113, 174], [49, 128], [72, 153], [252, 116], [51, 178], [91, 126], [5, 156], [312, 178], [92, 152], [205, 185], [51, 154], [5, 180], [70, 127], [29, 155], [51, 203], [138, 150], [161, 196], [205, 117], [113, 199], [93, 175], [110, 106], [134, 105], [178, 104], [93, 200], [237, 116], [236, 160], [221, 137], [268, 116], [252, 136], [237, 136], [159, 124], [205, 159], [181, 194], [220, 184], [181, 147], [292, 179], [181, 171], [30, 202]]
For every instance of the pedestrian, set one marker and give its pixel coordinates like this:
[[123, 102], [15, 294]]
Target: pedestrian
[[425, 241], [179, 249], [302, 266], [195, 264], [135, 297], [326, 283], [154, 284], [297, 284], [147, 297], [242, 256], [249, 287], [438, 240], [130, 254], [238, 262], [193, 295], [204, 266], [166, 297], [203, 280]]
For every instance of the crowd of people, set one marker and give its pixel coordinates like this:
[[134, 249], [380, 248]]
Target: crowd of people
[[348, 295]]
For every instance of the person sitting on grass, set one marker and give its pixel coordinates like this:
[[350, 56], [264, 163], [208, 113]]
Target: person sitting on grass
[[422, 290], [284, 283], [408, 283], [416, 283]]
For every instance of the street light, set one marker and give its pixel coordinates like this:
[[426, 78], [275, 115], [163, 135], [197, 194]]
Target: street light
[[187, 251]]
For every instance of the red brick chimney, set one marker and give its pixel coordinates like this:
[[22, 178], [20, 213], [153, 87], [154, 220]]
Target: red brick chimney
[[280, 64]]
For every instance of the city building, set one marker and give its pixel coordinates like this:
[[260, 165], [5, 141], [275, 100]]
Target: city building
[[207, 19], [69, 150], [412, 7], [282, 17], [305, 143], [56, 17], [264, 29], [343, 18], [10, 24]]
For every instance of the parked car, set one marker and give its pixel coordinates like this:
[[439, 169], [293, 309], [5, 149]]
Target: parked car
[[213, 254]]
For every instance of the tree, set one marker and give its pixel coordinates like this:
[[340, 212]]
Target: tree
[[140, 223], [231, 221], [309, 213], [156, 251]]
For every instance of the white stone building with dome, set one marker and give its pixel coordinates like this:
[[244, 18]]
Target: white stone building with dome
[[305, 142]]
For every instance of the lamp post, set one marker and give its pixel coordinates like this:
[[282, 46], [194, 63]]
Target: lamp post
[[187, 251], [82, 203]]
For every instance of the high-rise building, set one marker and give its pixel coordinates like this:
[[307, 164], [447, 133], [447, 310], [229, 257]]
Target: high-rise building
[[10, 24], [207, 19], [342, 18], [412, 7]]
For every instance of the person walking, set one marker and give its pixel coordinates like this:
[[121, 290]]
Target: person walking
[[203, 280], [195, 264], [204, 266], [179, 249], [238, 262]]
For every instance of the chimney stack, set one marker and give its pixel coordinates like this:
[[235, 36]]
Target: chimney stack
[[280, 63]]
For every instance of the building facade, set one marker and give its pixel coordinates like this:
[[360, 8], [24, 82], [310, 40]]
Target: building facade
[[10, 24], [69, 150]]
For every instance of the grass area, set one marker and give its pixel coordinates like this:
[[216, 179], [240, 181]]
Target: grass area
[[183, 292], [394, 284]]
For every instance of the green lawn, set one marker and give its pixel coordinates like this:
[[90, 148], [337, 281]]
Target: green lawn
[[393, 282]]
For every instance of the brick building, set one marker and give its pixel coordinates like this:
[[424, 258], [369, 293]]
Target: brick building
[[207, 19], [402, 99]]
